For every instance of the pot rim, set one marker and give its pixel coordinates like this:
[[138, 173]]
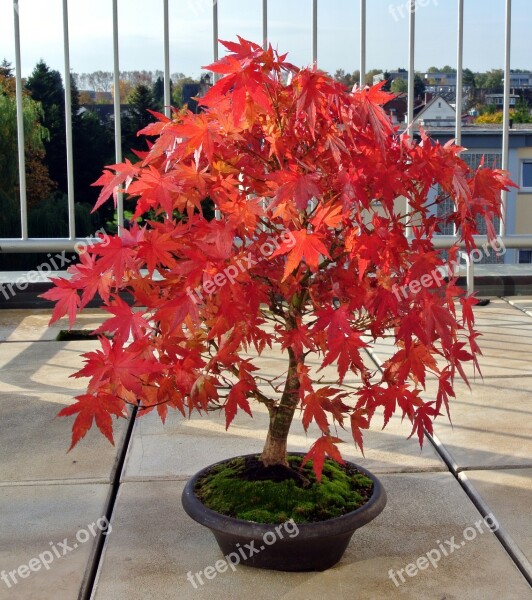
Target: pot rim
[[336, 526]]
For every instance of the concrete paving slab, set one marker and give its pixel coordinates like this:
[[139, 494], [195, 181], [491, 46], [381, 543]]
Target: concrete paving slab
[[35, 383], [32, 324], [523, 303], [38, 523], [179, 448], [154, 545], [490, 424], [507, 493]]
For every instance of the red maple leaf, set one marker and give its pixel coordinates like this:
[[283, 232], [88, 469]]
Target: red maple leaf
[[307, 246], [67, 299], [322, 447], [125, 322], [93, 408], [237, 398]]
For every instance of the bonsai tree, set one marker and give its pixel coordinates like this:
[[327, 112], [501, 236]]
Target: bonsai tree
[[322, 245]]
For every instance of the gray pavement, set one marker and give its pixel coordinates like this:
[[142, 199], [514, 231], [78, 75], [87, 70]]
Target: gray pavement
[[443, 501]]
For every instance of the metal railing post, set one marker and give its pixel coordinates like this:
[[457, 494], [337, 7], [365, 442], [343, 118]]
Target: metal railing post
[[20, 127], [265, 24], [118, 123], [362, 79], [315, 32], [411, 77], [68, 128], [459, 73], [506, 109], [166, 35], [215, 53]]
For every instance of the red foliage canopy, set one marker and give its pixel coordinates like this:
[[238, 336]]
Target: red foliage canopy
[[310, 251]]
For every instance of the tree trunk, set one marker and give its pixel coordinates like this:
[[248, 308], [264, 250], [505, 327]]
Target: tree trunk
[[274, 452]]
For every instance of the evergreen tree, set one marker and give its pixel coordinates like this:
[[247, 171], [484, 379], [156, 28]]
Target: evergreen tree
[[46, 86], [419, 87], [158, 94], [140, 101], [387, 86]]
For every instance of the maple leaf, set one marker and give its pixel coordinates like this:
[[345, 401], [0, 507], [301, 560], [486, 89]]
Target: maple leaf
[[111, 182], [327, 215], [322, 447], [200, 134], [296, 339], [93, 408], [414, 361], [119, 255], [307, 247], [67, 299], [87, 277], [203, 392], [313, 408], [445, 391], [237, 398], [359, 421], [422, 420], [300, 187], [115, 366], [467, 311], [158, 249], [125, 322]]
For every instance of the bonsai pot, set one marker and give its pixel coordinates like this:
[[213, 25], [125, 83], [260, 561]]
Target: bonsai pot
[[315, 547]]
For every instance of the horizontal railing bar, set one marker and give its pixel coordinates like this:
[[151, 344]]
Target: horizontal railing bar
[[17, 245], [441, 242]]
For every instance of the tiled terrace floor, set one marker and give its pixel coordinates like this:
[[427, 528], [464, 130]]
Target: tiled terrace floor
[[49, 499]]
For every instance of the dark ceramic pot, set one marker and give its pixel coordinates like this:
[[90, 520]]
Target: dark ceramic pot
[[286, 547]]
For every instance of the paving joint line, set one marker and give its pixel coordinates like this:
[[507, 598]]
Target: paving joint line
[[89, 582]]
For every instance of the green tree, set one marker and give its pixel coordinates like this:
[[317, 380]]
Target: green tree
[[388, 85], [399, 85], [46, 86], [447, 69], [370, 74], [491, 81], [178, 90], [34, 136], [348, 79], [158, 93], [468, 78], [419, 86], [140, 101], [522, 112]]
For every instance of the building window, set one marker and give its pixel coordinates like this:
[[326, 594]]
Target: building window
[[526, 174], [525, 257]]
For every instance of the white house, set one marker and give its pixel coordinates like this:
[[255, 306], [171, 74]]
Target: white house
[[435, 113]]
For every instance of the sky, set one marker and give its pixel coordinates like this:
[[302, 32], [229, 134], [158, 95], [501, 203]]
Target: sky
[[289, 23]]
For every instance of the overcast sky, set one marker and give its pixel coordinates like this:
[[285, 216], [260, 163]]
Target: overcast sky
[[141, 47]]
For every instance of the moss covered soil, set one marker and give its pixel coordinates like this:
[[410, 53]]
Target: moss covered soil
[[244, 489]]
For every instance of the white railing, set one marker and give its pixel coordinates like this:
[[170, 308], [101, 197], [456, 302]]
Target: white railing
[[26, 244]]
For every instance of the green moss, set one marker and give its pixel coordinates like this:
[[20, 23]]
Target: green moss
[[227, 490]]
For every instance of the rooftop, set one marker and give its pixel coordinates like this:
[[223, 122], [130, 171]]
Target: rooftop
[[473, 473]]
